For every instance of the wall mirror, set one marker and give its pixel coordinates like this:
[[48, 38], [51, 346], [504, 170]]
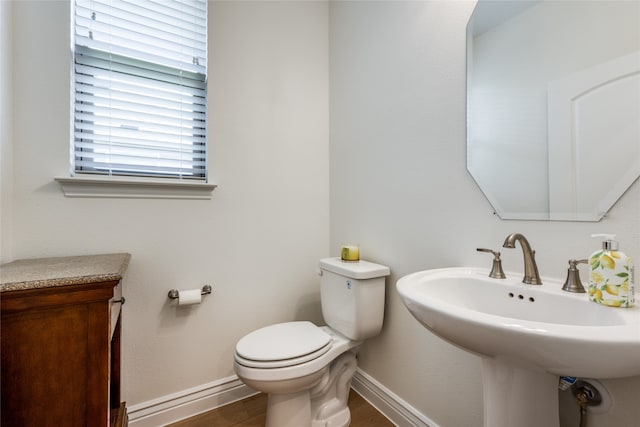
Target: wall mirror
[[553, 105]]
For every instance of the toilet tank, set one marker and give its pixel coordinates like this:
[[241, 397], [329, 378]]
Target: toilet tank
[[352, 296]]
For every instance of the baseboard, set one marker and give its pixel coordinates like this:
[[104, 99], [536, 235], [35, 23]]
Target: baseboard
[[187, 403], [388, 403]]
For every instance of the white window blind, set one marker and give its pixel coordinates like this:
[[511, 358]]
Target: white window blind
[[140, 88]]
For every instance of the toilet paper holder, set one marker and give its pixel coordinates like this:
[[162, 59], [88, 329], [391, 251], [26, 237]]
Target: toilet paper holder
[[175, 294]]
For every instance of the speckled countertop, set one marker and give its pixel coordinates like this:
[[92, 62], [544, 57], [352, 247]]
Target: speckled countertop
[[49, 272]]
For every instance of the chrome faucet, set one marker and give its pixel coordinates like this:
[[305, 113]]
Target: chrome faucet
[[531, 275]]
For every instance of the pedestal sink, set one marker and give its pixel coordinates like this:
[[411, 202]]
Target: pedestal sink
[[527, 335]]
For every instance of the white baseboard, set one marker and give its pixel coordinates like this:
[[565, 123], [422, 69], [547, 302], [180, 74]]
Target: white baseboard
[[388, 403], [187, 403]]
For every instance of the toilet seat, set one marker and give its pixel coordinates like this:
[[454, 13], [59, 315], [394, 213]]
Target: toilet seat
[[255, 375], [282, 345]]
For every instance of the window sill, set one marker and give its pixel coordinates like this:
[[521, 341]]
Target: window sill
[[134, 188]]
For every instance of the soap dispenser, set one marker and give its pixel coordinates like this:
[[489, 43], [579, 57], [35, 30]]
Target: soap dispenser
[[611, 275]]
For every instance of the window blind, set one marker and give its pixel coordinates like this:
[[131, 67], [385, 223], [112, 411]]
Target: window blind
[[140, 102]]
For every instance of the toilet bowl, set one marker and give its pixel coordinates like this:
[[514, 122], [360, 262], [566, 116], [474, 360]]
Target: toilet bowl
[[305, 369], [297, 384]]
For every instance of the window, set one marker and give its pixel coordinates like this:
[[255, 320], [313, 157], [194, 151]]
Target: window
[[140, 102]]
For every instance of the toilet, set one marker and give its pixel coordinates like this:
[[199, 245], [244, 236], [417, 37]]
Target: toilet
[[306, 370]]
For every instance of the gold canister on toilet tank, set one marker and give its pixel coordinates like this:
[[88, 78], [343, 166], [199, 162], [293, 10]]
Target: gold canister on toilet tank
[[350, 253]]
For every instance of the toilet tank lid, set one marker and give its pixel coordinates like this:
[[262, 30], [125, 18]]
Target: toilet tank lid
[[354, 269]]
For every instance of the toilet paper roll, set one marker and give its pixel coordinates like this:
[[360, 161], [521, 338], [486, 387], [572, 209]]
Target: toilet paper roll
[[190, 297]]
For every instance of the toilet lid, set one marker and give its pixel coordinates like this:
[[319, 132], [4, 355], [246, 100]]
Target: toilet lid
[[283, 341]]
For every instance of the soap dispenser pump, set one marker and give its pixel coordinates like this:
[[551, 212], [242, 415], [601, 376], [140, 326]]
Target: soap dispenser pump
[[611, 275]]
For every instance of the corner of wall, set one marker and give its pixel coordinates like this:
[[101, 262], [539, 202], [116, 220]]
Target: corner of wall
[[6, 132]]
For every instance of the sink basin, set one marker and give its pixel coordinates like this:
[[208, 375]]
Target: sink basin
[[557, 331], [527, 335]]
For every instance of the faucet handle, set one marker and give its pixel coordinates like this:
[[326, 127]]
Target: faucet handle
[[496, 270], [573, 282]]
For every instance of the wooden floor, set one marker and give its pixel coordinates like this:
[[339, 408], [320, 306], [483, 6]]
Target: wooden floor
[[250, 412]]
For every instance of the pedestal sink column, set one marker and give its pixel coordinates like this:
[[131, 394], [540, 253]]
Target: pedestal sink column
[[515, 396]]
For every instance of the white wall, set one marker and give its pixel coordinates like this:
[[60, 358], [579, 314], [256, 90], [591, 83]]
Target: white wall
[[257, 241], [399, 186], [6, 129]]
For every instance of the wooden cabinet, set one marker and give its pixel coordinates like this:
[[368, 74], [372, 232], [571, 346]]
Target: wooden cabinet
[[60, 350]]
